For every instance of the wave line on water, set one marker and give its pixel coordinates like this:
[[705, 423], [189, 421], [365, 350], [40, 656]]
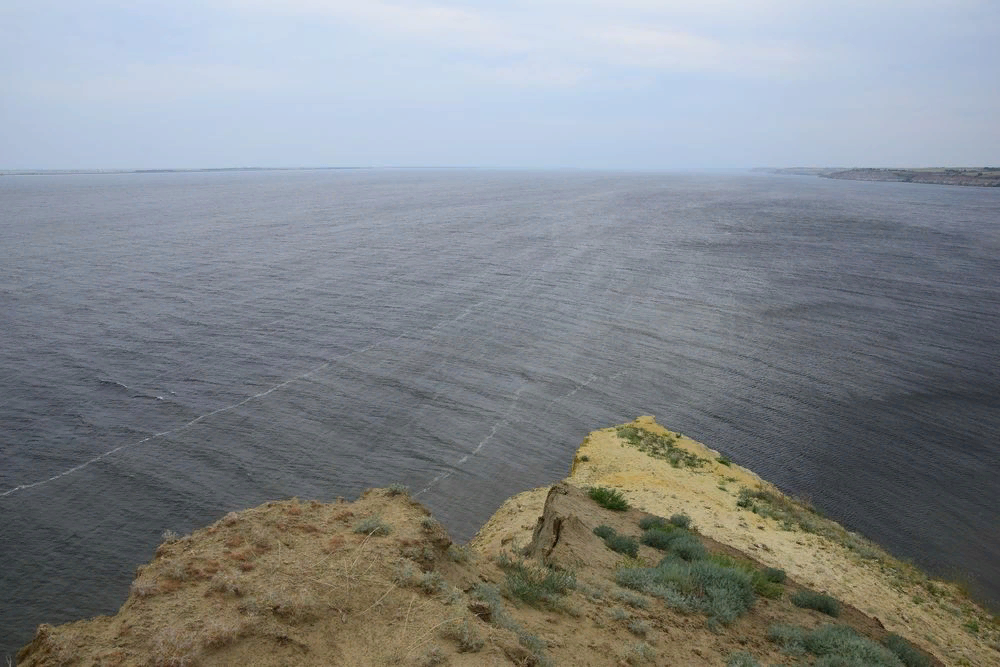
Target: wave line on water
[[505, 421], [321, 367]]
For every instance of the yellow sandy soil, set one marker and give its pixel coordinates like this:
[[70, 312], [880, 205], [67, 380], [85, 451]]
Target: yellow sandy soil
[[877, 587]]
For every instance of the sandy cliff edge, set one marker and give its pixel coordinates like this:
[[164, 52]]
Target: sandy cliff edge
[[378, 581]]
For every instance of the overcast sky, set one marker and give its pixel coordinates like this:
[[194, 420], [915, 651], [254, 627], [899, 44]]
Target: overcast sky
[[641, 84]]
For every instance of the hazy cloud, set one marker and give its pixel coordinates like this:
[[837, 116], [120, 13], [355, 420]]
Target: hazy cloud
[[622, 83]]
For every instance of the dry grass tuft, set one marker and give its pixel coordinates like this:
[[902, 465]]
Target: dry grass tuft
[[144, 588], [174, 647], [219, 633], [227, 584]]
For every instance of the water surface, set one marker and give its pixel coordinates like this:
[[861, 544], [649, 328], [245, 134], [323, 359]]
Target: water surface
[[211, 341]]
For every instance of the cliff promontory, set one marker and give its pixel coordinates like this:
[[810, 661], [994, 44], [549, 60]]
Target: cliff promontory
[[655, 550]]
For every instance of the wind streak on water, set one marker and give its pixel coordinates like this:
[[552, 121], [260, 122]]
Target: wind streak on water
[[258, 395]]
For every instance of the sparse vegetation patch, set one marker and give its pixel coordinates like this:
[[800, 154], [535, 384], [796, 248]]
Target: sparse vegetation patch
[[834, 645], [722, 593], [536, 585], [501, 618], [611, 499], [741, 659], [660, 447], [398, 489], [372, 525]]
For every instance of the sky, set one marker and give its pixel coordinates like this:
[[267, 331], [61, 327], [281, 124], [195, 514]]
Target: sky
[[603, 84]]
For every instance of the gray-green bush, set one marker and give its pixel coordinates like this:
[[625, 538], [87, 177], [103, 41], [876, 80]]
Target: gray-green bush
[[907, 653], [678, 541], [650, 522], [742, 659], [774, 575], [536, 585], [819, 601], [372, 525], [722, 593], [834, 645], [604, 532], [622, 544], [502, 619], [842, 642]]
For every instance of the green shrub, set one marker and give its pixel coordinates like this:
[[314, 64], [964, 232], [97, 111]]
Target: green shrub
[[742, 659], [641, 579], [680, 520], [907, 653], [465, 635], [818, 601], [677, 542], [623, 545], [767, 582], [631, 599], [659, 446], [765, 588], [372, 525], [536, 585], [728, 592], [773, 575], [432, 583], [658, 539], [611, 499], [792, 638], [842, 643], [655, 522], [688, 547], [500, 618], [619, 543], [639, 654], [398, 489], [638, 627], [458, 554], [604, 532], [619, 614], [724, 461], [722, 593]]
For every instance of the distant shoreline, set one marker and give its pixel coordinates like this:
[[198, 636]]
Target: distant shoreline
[[102, 172], [987, 177]]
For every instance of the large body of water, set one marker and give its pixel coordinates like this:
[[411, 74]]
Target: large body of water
[[211, 341]]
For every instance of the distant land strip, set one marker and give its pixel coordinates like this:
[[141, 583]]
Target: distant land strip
[[988, 177], [64, 172]]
